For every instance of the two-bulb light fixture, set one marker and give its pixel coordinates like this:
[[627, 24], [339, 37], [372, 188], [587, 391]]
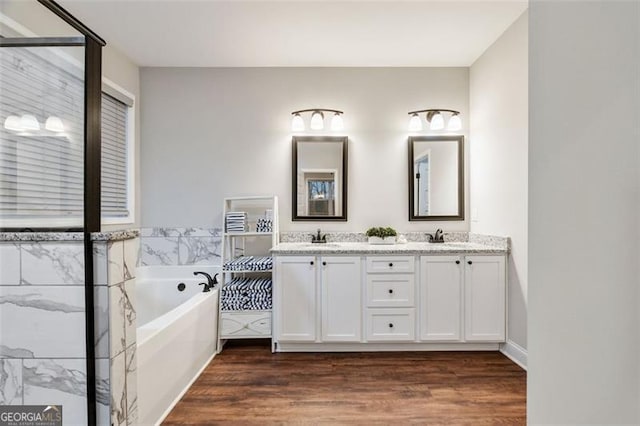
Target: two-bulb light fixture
[[29, 123], [435, 119], [317, 119]]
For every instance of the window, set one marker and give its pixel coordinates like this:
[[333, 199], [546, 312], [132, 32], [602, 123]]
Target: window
[[114, 182], [41, 166]]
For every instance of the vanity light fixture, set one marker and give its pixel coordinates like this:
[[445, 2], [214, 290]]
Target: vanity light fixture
[[435, 119], [454, 122], [415, 124], [54, 124], [297, 124], [13, 122], [336, 122], [317, 119], [29, 122]]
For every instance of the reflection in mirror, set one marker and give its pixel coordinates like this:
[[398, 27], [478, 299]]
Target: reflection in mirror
[[436, 178], [319, 178]]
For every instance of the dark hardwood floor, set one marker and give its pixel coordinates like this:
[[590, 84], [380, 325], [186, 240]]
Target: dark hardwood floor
[[247, 384]]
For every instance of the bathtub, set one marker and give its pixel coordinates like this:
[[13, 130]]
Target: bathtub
[[176, 335]]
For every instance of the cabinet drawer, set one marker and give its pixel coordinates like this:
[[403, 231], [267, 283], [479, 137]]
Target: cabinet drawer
[[390, 264], [256, 324], [390, 290], [391, 325]]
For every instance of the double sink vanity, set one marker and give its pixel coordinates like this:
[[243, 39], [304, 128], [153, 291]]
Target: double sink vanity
[[348, 295], [354, 296]]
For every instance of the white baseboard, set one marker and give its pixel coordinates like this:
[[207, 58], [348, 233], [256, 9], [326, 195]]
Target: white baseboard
[[515, 353]]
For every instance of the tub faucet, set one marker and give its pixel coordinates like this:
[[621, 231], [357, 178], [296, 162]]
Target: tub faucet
[[437, 238], [211, 282]]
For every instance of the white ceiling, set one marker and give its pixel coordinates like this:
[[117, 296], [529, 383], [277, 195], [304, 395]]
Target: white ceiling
[[236, 33]]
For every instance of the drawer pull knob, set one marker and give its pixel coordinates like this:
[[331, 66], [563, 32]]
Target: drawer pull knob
[[457, 262], [311, 263], [390, 325], [390, 291], [324, 263], [390, 265], [470, 262]]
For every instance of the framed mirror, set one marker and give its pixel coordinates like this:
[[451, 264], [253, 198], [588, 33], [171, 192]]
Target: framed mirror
[[436, 178], [319, 176]]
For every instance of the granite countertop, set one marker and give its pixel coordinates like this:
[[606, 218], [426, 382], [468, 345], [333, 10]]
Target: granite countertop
[[410, 248], [69, 236]]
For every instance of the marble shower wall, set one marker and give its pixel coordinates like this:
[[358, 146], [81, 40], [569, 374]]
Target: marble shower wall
[[116, 327], [180, 246], [42, 316]]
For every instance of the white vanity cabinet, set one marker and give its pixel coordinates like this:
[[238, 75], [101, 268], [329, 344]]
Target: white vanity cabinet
[[462, 298], [318, 299], [425, 300], [341, 301], [484, 298], [441, 298], [390, 290], [296, 298]]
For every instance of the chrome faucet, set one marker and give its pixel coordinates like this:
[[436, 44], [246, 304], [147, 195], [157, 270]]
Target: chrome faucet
[[319, 238], [437, 238]]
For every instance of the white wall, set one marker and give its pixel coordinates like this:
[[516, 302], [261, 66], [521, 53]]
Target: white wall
[[116, 67], [584, 162], [498, 150], [215, 132]]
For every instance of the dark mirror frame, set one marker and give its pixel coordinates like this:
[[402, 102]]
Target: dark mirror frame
[[294, 178], [460, 140]]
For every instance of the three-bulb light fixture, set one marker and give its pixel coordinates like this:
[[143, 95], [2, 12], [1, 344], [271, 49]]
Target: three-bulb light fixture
[[435, 119], [317, 119], [29, 122]]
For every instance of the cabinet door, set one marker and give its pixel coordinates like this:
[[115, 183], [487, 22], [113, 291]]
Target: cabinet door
[[485, 288], [341, 284], [295, 304], [441, 298]]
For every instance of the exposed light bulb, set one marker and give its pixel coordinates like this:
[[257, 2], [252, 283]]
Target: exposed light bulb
[[54, 124], [437, 121], [454, 123], [415, 124], [297, 123], [336, 122], [13, 122], [29, 122], [317, 121]]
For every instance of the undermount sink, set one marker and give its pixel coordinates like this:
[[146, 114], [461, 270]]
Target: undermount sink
[[320, 245]]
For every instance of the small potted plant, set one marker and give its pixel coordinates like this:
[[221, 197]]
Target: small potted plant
[[381, 235]]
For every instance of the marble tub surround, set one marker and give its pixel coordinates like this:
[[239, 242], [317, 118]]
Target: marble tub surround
[[180, 246], [411, 248]]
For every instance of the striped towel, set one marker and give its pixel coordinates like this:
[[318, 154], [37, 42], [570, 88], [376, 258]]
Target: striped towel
[[249, 263]]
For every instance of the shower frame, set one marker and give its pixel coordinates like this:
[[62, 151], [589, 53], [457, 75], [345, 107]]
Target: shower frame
[[93, 45]]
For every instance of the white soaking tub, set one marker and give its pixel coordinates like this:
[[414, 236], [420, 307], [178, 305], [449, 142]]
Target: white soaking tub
[[176, 335]]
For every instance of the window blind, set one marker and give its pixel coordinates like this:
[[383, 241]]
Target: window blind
[[114, 158], [41, 172]]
